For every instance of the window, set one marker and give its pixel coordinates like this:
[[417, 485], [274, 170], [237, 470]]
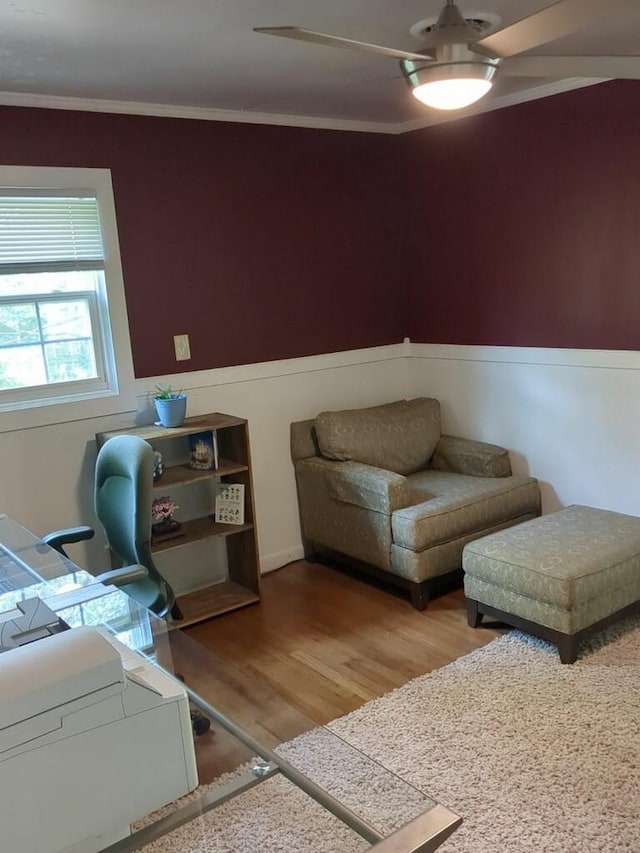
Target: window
[[60, 281]]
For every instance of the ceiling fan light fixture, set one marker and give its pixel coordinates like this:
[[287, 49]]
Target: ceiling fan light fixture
[[449, 85], [452, 94]]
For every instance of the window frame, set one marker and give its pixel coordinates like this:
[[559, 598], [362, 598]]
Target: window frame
[[117, 391], [25, 395]]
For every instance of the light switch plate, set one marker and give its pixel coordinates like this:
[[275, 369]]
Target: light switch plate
[[181, 344]]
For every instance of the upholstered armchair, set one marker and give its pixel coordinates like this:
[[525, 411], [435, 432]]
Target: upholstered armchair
[[383, 488]]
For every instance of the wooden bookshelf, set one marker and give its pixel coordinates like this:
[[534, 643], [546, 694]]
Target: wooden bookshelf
[[242, 586]]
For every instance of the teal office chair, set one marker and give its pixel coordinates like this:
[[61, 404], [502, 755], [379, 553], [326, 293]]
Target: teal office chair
[[123, 480]]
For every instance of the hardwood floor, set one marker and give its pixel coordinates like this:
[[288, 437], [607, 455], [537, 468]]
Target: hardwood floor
[[320, 644]]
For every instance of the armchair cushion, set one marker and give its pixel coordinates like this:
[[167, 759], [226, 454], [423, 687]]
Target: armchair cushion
[[445, 506], [399, 437]]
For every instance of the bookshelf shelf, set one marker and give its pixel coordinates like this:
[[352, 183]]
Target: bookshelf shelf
[[242, 586], [218, 598], [181, 475], [197, 529]]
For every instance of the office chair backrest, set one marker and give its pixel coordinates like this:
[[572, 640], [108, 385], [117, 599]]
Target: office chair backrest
[[123, 482]]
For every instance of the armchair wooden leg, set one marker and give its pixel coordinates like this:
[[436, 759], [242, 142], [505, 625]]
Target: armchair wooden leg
[[474, 617], [419, 595]]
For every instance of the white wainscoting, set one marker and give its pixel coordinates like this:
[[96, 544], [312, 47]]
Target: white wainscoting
[[569, 417], [47, 472]]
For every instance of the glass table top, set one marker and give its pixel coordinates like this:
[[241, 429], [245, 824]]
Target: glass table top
[[255, 738]]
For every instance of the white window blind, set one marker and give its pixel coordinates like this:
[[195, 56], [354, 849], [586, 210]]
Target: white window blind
[[53, 232]]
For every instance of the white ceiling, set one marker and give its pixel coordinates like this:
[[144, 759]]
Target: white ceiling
[[198, 57]]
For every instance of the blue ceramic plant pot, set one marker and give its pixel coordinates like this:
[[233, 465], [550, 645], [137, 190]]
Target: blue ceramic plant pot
[[171, 411]]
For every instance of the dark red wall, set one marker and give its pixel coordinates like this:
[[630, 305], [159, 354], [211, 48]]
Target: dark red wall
[[259, 242], [530, 224], [515, 227]]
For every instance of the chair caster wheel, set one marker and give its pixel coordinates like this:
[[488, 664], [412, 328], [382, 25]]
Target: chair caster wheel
[[199, 723]]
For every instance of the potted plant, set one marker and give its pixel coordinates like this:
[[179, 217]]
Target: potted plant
[[171, 406]]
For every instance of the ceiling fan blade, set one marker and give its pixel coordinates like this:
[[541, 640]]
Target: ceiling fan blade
[[337, 41], [563, 67], [554, 22]]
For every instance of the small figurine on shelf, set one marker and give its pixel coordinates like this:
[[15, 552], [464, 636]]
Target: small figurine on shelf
[[158, 465], [162, 510]]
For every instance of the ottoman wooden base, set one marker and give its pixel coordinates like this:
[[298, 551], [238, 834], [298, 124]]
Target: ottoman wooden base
[[559, 577], [567, 643]]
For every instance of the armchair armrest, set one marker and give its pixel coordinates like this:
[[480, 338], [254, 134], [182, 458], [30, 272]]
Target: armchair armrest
[[57, 539], [362, 485], [476, 458], [123, 576]]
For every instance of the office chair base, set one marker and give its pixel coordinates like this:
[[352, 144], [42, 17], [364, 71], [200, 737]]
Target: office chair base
[[200, 724]]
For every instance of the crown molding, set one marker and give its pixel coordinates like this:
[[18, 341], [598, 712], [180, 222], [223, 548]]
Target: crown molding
[[95, 105], [557, 87], [59, 102]]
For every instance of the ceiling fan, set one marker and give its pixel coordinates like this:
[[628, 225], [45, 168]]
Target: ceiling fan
[[456, 65]]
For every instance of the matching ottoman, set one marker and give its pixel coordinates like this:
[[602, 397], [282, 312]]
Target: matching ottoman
[[558, 577]]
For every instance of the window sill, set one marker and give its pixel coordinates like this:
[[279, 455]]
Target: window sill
[[65, 412]]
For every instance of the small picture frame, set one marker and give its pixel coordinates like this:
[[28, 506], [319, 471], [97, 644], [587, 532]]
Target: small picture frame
[[230, 503], [203, 451]]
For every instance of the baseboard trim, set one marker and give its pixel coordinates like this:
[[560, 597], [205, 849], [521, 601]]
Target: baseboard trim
[[280, 558]]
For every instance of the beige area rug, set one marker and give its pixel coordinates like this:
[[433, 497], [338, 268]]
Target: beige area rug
[[535, 756]]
